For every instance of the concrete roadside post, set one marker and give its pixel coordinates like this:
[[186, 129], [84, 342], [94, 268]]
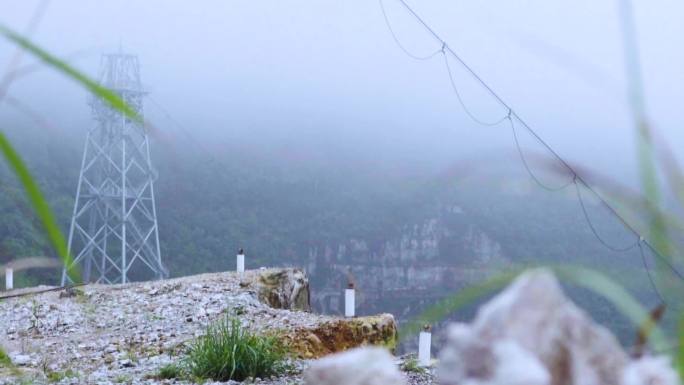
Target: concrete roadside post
[[9, 278], [349, 301], [424, 342], [240, 261]]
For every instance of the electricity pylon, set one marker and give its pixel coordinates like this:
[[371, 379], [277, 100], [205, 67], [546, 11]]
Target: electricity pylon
[[114, 230]]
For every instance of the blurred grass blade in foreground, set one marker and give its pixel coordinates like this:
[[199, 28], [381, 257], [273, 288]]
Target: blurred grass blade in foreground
[[679, 362], [39, 204], [104, 93]]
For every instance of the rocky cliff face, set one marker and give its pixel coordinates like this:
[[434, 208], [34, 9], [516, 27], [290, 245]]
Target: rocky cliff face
[[401, 274]]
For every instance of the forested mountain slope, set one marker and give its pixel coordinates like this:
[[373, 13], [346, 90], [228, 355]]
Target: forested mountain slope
[[408, 235]]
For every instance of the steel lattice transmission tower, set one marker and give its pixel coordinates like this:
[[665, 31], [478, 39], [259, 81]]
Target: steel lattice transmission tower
[[114, 231]]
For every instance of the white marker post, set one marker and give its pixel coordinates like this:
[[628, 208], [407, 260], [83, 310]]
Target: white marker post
[[9, 279], [241, 261], [424, 342], [349, 301]]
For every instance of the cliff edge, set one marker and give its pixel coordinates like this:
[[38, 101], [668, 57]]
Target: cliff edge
[[124, 333]]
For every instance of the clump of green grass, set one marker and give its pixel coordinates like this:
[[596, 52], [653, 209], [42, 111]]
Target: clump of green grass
[[5, 360], [169, 371], [229, 352], [123, 379], [59, 376], [411, 364]]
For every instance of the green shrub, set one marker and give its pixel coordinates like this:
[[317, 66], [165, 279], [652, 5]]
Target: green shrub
[[59, 376], [411, 365], [123, 379], [5, 359], [168, 372], [229, 352]]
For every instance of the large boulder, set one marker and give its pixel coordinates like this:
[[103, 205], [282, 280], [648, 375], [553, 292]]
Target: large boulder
[[361, 366], [343, 334], [284, 289], [532, 334]]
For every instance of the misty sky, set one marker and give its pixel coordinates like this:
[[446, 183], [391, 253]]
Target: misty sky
[[278, 72]]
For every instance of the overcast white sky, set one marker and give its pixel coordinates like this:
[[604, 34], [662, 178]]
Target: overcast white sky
[[324, 70]]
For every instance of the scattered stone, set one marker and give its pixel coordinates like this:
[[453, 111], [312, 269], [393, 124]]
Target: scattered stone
[[415, 374], [126, 363], [361, 366], [154, 321], [70, 292], [21, 359]]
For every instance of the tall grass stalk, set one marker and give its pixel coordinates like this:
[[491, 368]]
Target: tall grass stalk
[[39, 204], [109, 96]]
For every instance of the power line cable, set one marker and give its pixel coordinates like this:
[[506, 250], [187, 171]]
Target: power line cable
[[648, 272], [172, 120], [474, 74], [527, 166], [593, 229], [182, 128], [513, 115], [640, 242], [663, 259], [178, 125], [460, 100], [396, 39]]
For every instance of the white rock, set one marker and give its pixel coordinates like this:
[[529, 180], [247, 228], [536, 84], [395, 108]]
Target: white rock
[[532, 321], [517, 366], [650, 371], [472, 362], [21, 359], [361, 366]]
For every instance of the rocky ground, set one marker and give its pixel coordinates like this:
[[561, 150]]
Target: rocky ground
[[99, 334]]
